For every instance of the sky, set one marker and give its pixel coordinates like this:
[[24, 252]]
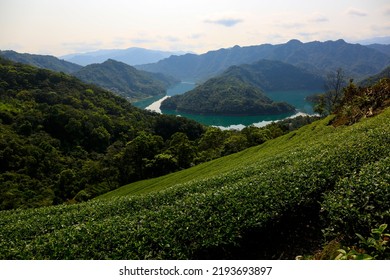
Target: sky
[[60, 27]]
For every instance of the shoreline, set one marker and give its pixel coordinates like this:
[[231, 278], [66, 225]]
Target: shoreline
[[155, 106]]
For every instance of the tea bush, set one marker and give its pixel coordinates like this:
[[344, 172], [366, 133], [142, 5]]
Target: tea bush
[[270, 186]]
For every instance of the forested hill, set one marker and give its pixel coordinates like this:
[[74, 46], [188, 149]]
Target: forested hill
[[226, 96], [287, 197], [270, 75], [61, 139], [358, 61], [42, 61], [125, 80], [385, 73]]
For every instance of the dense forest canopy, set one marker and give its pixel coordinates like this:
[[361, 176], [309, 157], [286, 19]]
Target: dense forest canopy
[[226, 96], [125, 80], [60, 136], [42, 61], [62, 140], [286, 198]]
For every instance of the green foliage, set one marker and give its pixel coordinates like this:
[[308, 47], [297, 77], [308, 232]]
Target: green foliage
[[41, 61], [373, 247], [360, 201], [326, 103], [125, 80], [60, 137], [358, 102], [226, 95], [79, 141], [213, 207]]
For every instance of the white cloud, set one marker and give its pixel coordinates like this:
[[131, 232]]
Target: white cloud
[[356, 12], [228, 22], [319, 19]]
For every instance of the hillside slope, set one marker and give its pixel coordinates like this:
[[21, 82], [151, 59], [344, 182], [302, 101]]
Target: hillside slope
[[270, 75], [272, 201], [61, 139], [385, 73], [125, 80], [226, 96], [42, 61]]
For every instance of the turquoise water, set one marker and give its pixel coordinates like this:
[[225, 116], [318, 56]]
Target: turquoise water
[[146, 102], [227, 121], [293, 97], [180, 88]]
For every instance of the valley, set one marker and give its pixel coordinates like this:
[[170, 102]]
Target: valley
[[87, 173]]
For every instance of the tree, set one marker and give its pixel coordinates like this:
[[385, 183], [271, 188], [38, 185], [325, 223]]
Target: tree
[[137, 154], [183, 150], [335, 82], [235, 143]]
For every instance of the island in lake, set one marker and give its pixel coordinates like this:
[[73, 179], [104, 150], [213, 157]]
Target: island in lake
[[226, 96]]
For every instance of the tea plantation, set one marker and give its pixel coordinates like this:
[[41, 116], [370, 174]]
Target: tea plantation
[[286, 197]]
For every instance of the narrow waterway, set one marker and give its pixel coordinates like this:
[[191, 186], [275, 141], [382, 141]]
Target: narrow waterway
[[294, 97]]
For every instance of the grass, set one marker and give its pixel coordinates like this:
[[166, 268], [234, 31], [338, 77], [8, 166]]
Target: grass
[[225, 164], [264, 202]]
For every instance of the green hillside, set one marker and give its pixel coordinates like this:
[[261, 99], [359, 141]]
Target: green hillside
[[42, 61], [385, 73], [277, 200], [62, 140], [226, 96], [125, 80], [270, 75]]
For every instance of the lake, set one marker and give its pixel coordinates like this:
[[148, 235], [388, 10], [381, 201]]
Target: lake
[[294, 97]]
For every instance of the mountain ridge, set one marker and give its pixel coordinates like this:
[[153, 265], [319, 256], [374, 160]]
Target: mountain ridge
[[272, 75], [130, 56], [318, 57], [125, 80], [42, 61]]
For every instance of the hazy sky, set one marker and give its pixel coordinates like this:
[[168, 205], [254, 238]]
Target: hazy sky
[[60, 27]]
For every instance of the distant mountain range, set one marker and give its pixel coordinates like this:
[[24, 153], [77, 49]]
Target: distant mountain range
[[385, 73], [238, 90], [382, 48], [302, 66], [42, 61], [125, 80], [130, 56], [357, 61], [112, 75], [270, 75], [384, 40]]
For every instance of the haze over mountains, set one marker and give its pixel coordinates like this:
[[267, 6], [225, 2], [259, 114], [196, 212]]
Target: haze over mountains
[[290, 66], [358, 61], [131, 56], [271, 75]]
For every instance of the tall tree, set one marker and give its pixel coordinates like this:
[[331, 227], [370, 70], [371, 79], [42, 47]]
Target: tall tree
[[335, 82]]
